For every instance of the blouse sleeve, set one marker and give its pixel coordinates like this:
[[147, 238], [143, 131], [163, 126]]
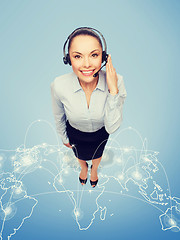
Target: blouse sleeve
[[114, 107], [59, 115]]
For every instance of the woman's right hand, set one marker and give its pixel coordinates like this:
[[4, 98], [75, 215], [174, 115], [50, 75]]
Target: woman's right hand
[[68, 145]]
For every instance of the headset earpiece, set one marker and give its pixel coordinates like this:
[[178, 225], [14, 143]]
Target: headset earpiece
[[104, 56], [67, 60]]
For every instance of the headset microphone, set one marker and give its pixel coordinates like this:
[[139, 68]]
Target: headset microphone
[[95, 75]]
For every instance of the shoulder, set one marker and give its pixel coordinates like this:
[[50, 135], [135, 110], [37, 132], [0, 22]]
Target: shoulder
[[63, 80], [63, 83]]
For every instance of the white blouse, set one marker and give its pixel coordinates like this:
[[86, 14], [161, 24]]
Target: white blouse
[[69, 103]]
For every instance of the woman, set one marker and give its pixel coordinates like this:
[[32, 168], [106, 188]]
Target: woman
[[87, 104]]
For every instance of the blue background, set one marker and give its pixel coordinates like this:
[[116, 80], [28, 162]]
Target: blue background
[[143, 38]]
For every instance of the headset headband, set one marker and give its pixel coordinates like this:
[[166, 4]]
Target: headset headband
[[90, 30]]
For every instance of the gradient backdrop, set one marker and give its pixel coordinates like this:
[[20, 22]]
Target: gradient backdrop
[[143, 38]]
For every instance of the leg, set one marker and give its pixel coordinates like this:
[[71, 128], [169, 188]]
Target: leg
[[95, 164], [84, 169]]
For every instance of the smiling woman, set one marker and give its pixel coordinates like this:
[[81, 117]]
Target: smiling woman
[[87, 104], [85, 61]]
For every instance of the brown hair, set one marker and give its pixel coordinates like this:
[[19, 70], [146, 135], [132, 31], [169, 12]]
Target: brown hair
[[84, 32]]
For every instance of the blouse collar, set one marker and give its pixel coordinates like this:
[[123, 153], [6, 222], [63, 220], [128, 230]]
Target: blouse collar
[[100, 84]]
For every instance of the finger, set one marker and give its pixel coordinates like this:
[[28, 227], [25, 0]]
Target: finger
[[110, 62], [110, 65], [112, 69], [109, 59], [107, 69]]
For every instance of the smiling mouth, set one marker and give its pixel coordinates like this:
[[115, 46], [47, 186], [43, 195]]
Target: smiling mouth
[[87, 72]]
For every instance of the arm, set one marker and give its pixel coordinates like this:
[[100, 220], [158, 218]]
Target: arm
[[114, 108], [115, 99], [59, 115]]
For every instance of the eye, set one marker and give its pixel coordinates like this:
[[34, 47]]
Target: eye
[[94, 55], [77, 56]]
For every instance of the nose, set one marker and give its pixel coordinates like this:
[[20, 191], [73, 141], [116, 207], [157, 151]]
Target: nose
[[86, 62]]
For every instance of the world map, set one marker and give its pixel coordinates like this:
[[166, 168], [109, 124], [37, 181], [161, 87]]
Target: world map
[[136, 172]]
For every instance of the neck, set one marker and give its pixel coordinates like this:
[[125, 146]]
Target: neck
[[89, 86]]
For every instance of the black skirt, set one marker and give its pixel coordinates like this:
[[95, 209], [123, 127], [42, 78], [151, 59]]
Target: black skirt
[[87, 145]]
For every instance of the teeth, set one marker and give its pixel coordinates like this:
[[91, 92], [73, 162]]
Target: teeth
[[87, 72]]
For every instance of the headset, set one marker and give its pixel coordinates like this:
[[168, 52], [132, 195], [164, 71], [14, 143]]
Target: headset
[[66, 58]]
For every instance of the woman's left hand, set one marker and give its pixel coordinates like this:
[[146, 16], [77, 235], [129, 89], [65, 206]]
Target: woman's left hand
[[111, 77]]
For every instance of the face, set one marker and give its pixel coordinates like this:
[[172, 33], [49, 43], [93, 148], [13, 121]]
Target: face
[[86, 57]]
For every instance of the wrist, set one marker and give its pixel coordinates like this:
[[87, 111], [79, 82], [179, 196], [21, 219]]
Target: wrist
[[114, 91]]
